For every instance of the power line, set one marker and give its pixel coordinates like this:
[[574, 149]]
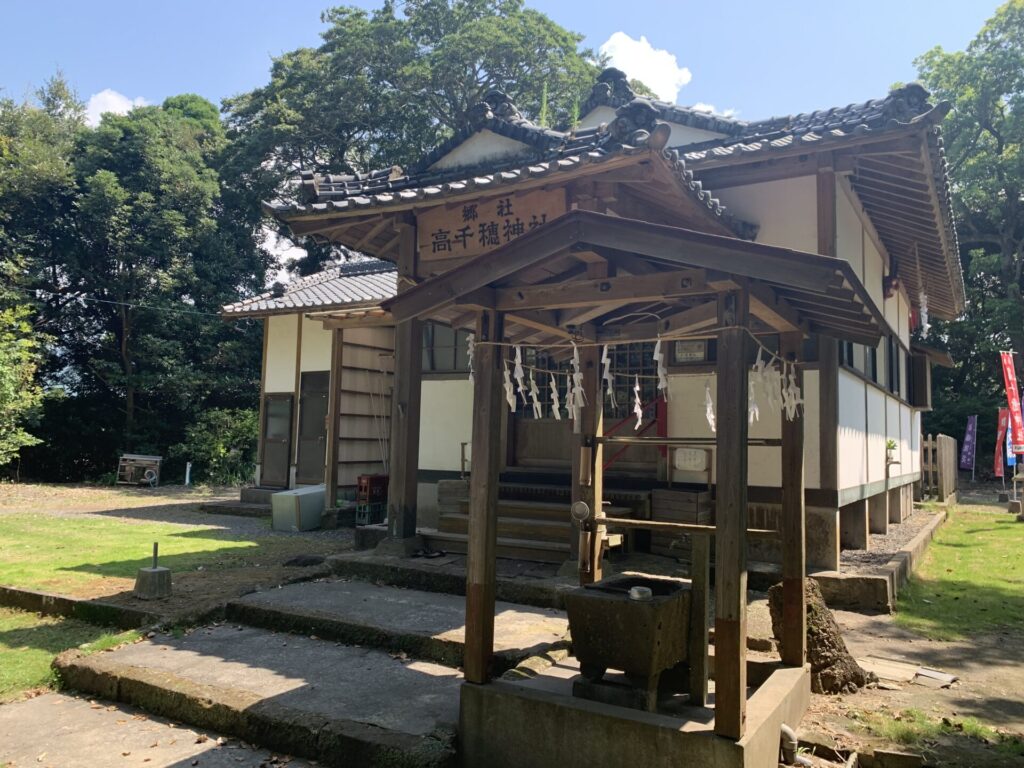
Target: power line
[[136, 305]]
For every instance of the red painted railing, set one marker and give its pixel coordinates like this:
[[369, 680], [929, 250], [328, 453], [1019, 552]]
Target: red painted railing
[[658, 422]]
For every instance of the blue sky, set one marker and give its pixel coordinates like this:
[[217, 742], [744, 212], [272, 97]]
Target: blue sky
[[759, 59]]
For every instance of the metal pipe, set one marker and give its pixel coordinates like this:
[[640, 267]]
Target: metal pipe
[[679, 441], [788, 744]]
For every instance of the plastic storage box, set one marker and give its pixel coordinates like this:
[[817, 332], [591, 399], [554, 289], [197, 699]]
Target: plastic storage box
[[299, 509]]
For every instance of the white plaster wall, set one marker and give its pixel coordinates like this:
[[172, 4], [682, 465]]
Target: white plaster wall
[[906, 452], [852, 438], [684, 134], [597, 116], [481, 148], [915, 442], [892, 431], [282, 335], [687, 418], [783, 210], [876, 434], [874, 269], [904, 318], [316, 346], [446, 420], [849, 233]]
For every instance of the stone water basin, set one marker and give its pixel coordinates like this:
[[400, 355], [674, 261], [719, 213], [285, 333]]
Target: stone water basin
[[641, 638]]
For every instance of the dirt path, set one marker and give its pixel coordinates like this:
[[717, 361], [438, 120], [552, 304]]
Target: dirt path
[[990, 689]]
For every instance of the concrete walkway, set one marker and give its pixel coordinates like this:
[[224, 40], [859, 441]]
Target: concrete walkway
[[300, 695], [60, 731], [426, 625]]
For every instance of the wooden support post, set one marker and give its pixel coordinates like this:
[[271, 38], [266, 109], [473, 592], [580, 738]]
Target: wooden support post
[[483, 499], [731, 518], [700, 584], [588, 460], [405, 430], [794, 548], [334, 419], [828, 353], [403, 465]]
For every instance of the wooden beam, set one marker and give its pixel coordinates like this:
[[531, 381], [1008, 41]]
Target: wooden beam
[[483, 500], [731, 518], [794, 548], [766, 170], [541, 320], [585, 293], [700, 589], [766, 305], [702, 316], [375, 230], [334, 419]]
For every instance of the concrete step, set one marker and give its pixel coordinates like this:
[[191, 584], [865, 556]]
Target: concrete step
[[239, 508], [511, 527], [424, 625], [258, 495], [338, 704], [517, 549]]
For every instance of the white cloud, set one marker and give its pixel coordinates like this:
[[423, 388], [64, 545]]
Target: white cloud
[[109, 100], [702, 106], [654, 67]]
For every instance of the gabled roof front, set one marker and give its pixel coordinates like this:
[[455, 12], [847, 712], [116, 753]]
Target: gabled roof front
[[363, 283], [555, 152]]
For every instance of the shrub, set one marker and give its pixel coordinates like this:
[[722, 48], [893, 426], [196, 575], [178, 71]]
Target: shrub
[[221, 445]]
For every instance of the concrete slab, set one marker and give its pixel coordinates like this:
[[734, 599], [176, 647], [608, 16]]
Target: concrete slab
[[426, 625], [60, 731], [300, 695]]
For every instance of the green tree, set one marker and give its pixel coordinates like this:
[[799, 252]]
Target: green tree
[[984, 140], [20, 395], [386, 87]]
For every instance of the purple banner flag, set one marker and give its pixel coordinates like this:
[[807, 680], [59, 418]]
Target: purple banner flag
[[970, 443]]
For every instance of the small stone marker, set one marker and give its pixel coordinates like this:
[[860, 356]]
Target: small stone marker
[[1013, 507], [153, 583]]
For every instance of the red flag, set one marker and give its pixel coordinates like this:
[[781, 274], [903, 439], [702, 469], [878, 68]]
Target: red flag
[[1013, 399], [1004, 419]]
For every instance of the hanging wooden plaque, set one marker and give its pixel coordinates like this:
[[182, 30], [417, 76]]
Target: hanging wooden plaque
[[466, 229]]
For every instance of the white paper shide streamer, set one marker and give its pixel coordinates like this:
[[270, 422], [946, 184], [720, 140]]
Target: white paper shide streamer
[[577, 397], [922, 300], [607, 377], [510, 394], [638, 407], [659, 361], [470, 348], [555, 404], [709, 405], [519, 375], [538, 409]]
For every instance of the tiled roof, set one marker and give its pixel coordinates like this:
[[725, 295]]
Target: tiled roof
[[903, 107], [556, 152], [355, 283]]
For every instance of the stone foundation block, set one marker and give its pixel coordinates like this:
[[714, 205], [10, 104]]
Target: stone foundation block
[[878, 513], [853, 525]]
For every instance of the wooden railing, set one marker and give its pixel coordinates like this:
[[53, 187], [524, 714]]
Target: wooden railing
[[939, 459], [657, 422]]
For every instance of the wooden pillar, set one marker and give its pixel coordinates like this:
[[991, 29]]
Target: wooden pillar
[[794, 548], [731, 518], [403, 464], [483, 499], [700, 582], [828, 353], [405, 430], [588, 460], [334, 418]]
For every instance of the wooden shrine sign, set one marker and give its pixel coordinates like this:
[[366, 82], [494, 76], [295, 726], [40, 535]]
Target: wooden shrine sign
[[470, 228]]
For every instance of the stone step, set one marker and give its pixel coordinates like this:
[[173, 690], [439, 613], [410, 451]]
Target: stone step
[[424, 625], [254, 495], [511, 527], [239, 508], [338, 704], [517, 549]]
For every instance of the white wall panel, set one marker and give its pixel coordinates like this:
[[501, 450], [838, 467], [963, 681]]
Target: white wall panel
[[446, 420], [282, 337], [852, 445]]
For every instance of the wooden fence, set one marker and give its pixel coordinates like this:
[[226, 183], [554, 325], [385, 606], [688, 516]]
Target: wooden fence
[[939, 464]]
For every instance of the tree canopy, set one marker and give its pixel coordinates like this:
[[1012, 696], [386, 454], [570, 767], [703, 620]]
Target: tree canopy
[[386, 87], [984, 139]]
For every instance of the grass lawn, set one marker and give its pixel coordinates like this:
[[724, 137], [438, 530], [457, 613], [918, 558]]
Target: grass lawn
[[972, 577], [74, 555], [29, 642]]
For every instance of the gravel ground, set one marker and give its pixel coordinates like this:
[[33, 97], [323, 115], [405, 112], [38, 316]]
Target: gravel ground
[[883, 547]]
